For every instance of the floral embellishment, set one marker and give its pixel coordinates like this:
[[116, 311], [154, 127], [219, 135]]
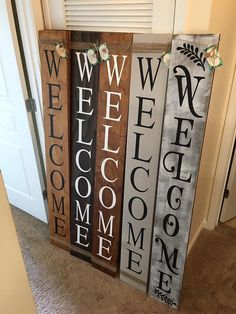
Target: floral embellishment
[[61, 50], [103, 51], [165, 58], [193, 54], [212, 56], [98, 53], [92, 56]]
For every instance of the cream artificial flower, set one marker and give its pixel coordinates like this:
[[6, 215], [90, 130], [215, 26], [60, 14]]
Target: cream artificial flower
[[165, 57], [61, 50], [104, 53], [92, 56], [213, 57]]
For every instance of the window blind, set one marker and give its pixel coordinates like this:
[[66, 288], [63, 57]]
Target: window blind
[[109, 15]]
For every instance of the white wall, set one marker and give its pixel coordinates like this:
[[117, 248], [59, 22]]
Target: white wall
[[221, 20]]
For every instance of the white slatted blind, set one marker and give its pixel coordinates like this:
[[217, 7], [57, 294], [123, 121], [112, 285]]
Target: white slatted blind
[[109, 15]]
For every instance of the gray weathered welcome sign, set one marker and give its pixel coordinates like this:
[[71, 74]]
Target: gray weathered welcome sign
[[146, 107], [188, 94]]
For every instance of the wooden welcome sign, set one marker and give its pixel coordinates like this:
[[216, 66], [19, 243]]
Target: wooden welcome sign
[[152, 241], [147, 99], [188, 94], [55, 85], [84, 100], [113, 102]]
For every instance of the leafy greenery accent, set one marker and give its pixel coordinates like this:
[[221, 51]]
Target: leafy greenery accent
[[193, 53], [163, 297]]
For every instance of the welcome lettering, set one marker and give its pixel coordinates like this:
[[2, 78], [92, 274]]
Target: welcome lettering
[[148, 85], [56, 122], [186, 110], [84, 79], [111, 135]]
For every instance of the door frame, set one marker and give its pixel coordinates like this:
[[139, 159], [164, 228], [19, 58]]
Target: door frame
[[26, 44], [29, 37], [224, 157], [227, 211], [28, 21], [13, 28]]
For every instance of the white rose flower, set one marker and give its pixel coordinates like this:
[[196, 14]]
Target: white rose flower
[[213, 57], [166, 58], [61, 50], [92, 57], [104, 53]]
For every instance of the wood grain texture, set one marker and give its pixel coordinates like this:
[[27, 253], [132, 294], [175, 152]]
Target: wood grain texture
[[56, 104], [84, 101], [111, 143]]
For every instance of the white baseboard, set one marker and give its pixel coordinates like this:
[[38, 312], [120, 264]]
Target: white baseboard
[[194, 238]]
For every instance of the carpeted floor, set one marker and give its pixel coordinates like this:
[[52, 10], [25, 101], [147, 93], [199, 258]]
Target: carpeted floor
[[63, 284]]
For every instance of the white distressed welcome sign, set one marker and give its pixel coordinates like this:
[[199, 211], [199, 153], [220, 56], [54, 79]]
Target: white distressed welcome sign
[[147, 99], [188, 94]]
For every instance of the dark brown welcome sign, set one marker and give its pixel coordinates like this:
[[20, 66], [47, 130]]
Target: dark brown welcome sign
[[113, 100], [84, 99], [188, 93], [55, 85]]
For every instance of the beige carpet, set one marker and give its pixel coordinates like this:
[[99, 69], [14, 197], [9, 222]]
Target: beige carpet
[[63, 284], [231, 223]]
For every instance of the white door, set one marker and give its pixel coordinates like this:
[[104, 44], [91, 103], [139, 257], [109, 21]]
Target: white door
[[17, 156], [229, 204]]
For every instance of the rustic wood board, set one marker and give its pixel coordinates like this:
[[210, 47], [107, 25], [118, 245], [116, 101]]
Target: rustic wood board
[[55, 86], [188, 95], [84, 100], [111, 141], [147, 99]]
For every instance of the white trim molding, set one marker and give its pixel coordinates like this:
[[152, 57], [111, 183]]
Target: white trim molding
[[29, 35], [194, 238], [163, 17], [54, 17], [223, 162], [46, 14]]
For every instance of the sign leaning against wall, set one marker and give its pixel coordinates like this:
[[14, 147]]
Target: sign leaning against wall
[[100, 104], [187, 101]]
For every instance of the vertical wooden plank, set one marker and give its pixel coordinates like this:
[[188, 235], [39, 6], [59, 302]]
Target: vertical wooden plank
[[188, 94], [147, 99], [111, 140], [84, 99], [55, 85]]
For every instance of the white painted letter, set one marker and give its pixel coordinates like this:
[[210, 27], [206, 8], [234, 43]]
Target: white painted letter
[[115, 69], [103, 168], [109, 224], [80, 133], [106, 140], [101, 247], [77, 159], [85, 68], [79, 235], [83, 100], [88, 187], [109, 105], [79, 215], [113, 197]]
